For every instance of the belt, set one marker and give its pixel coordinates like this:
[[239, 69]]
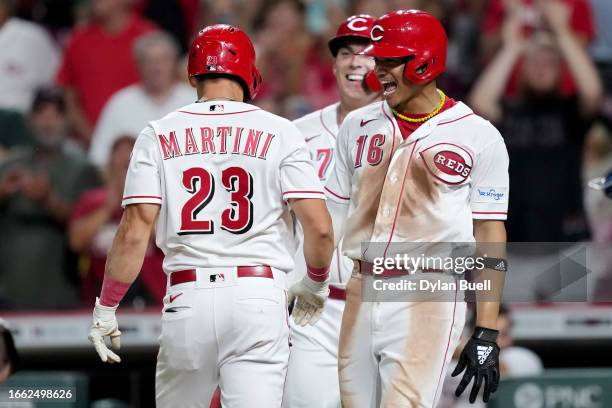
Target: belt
[[337, 293], [189, 275], [366, 268]]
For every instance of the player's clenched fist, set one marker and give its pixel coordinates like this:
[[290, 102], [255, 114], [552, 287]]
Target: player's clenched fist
[[311, 296], [105, 324], [480, 359]]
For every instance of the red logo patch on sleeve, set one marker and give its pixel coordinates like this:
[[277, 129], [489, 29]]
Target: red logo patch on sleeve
[[449, 163]]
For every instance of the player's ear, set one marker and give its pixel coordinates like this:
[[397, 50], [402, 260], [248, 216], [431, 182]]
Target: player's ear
[[193, 82]]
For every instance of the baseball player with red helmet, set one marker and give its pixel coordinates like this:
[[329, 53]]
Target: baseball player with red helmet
[[418, 167], [312, 379], [216, 177]]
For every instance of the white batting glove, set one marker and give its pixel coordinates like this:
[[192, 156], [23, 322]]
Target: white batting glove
[[311, 297], [105, 324]]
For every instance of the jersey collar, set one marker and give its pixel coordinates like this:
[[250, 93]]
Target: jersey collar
[[456, 112]]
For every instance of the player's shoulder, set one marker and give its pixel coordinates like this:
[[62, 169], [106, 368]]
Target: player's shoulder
[[374, 110], [465, 121], [313, 121]]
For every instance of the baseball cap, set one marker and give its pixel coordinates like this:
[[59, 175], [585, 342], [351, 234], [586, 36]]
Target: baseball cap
[[356, 27]]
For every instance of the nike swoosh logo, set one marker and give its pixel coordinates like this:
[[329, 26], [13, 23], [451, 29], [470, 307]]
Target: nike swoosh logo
[[308, 139], [172, 298], [365, 122]]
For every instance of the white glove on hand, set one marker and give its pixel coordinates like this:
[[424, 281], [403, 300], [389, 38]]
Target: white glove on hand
[[311, 297], [105, 324]]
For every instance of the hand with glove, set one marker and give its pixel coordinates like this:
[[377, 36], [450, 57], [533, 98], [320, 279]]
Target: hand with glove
[[311, 293], [480, 360], [105, 324]]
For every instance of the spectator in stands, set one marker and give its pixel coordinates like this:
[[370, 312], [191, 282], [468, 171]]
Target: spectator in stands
[[37, 189], [533, 17], [157, 94], [9, 358], [601, 49], [283, 46], [543, 129], [13, 131], [98, 61], [28, 59], [92, 228]]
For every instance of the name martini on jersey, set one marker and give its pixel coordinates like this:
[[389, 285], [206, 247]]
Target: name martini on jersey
[[220, 140]]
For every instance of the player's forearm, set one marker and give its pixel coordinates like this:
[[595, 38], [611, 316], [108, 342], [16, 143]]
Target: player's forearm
[[491, 242], [127, 254], [130, 244], [319, 247]]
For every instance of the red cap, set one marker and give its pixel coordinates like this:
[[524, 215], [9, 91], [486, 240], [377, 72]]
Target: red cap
[[411, 33], [225, 49], [354, 27]]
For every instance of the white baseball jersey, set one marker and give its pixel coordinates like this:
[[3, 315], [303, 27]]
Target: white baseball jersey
[[222, 171], [319, 129], [427, 188]]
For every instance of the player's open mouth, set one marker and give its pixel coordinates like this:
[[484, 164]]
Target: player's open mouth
[[389, 87], [354, 77]]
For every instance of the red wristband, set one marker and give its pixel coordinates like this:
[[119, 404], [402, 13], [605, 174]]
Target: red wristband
[[112, 291], [318, 274]]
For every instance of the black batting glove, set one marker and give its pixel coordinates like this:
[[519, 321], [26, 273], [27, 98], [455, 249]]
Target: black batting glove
[[480, 360]]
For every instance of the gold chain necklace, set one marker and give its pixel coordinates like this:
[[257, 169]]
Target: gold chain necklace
[[424, 118]]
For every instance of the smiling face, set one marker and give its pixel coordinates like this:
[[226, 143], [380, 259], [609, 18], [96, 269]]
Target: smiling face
[[349, 70], [397, 90]]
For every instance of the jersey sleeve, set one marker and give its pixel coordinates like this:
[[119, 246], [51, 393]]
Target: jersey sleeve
[[143, 181], [338, 187], [297, 174], [490, 183]]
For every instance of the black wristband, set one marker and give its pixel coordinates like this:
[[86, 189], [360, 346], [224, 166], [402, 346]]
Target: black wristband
[[497, 264], [482, 333]]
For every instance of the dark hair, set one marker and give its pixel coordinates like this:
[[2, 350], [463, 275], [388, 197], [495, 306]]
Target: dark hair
[[51, 95], [8, 352], [245, 89]]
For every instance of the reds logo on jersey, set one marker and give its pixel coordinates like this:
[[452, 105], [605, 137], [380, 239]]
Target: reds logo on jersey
[[448, 162]]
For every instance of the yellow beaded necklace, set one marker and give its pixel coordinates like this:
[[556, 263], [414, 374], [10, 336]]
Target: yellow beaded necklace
[[424, 118]]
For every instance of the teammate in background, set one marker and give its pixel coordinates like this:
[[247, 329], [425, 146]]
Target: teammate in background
[[312, 379], [412, 169], [216, 176]]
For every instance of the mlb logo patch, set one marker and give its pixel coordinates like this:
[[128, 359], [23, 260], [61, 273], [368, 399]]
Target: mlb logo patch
[[219, 277], [216, 108], [211, 63]]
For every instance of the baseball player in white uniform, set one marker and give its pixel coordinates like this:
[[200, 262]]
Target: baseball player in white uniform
[[418, 167], [312, 379], [217, 175]]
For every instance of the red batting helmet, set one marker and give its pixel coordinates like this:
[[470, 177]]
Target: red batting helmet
[[225, 49], [411, 33], [353, 28]]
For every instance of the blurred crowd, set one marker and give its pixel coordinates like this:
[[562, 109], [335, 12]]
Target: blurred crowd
[[79, 79]]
